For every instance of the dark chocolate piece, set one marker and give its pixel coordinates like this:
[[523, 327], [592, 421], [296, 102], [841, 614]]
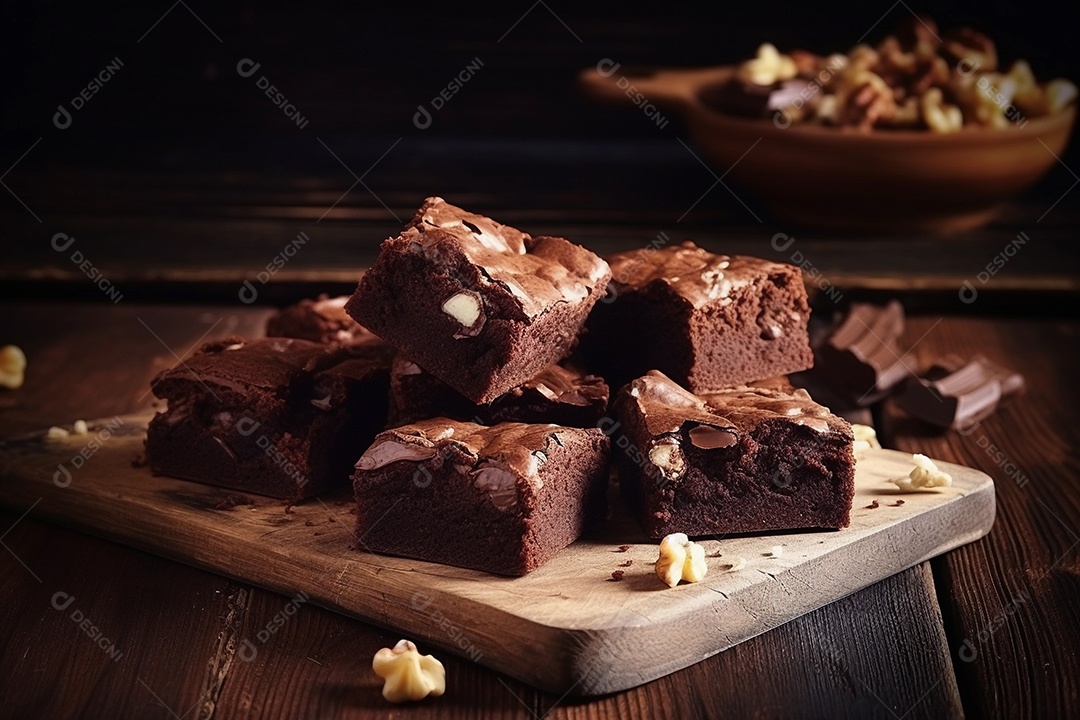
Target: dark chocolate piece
[[561, 394], [707, 321], [955, 393], [322, 320], [482, 306], [747, 99], [737, 461], [280, 417], [502, 499], [862, 360]]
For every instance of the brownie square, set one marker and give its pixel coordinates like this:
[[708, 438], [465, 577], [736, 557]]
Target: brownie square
[[322, 320], [738, 461], [561, 394], [482, 306], [280, 417], [502, 499], [707, 321]]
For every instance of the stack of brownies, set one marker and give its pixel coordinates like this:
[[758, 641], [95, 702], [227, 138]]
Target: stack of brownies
[[464, 388]]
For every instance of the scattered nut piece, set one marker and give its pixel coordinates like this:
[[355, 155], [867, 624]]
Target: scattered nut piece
[[874, 505], [768, 67], [617, 575], [12, 367], [628, 563], [680, 559], [56, 433], [80, 427], [924, 475], [865, 439], [736, 564], [408, 674], [622, 548], [777, 551], [898, 503]]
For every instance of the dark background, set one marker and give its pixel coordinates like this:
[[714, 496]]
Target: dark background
[[182, 171]]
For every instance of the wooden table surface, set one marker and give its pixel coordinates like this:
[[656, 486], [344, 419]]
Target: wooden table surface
[[989, 630]]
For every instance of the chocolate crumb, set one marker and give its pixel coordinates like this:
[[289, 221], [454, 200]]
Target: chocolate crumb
[[898, 503], [616, 576], [623, 548], [873, 505], [309, 523], [230, 501], [628, 563]]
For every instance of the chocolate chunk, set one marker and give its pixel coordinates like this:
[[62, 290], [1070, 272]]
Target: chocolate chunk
[[746, 99], [954, 393], [862, 360]]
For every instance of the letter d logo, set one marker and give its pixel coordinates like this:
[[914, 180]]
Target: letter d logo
[[422, 118], [248, 293], [62, 601], [62, 118], [247, 67], [62, 477]]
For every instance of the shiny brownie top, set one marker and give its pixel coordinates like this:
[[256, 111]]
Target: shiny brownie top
[[536, 271], [693, 273]]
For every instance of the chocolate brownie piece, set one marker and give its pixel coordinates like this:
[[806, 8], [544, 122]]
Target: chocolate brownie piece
[[280, 417], [737, 461], [708, 321], [561, 394], [322, 320], [481, 306], [503, 499]]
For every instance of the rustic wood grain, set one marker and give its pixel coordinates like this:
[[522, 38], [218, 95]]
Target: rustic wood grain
[[1011, 596]]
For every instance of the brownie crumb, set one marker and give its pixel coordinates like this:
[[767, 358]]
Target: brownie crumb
[[622, 548], [230, 501], [898, 503], [309, 523], [628, 563], [873, 505], [616, 576]]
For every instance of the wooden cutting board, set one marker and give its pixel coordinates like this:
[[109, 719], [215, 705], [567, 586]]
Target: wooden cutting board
[[566, 628]]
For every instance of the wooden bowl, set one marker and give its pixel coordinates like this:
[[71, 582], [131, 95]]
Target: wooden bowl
[[844, 180]]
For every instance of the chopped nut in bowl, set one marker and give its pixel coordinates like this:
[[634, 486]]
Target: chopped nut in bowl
[[923, 132]]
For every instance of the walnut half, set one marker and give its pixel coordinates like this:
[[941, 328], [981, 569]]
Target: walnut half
[[408, 674]]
